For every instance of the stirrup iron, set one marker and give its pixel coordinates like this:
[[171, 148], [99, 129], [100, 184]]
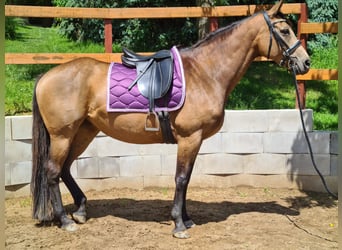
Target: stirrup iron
[[156, 122]]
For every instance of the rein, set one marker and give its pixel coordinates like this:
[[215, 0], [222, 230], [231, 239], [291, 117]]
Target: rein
[[307, 137], [287, 51]]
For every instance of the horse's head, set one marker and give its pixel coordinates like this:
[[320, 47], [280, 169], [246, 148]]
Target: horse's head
[[280, 44]]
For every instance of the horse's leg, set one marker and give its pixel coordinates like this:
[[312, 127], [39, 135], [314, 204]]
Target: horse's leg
[[77, 194], [187, 152], [58, 151], [186, 218], [84, 136]]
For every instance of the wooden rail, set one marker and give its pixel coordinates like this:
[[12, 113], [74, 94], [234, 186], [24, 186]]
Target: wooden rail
[[127, 13], [319, 74], [59, 58], [315, 28]]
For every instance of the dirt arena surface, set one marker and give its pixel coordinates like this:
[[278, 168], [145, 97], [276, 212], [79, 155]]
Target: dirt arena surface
[[235, 218]]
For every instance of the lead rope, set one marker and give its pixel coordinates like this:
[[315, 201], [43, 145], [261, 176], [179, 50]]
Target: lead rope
[[307, 137]]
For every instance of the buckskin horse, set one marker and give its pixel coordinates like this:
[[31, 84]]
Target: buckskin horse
[[69, 109]]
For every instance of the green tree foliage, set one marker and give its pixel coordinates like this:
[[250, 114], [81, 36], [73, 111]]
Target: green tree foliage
[[11, 23], [10, 28], [319, 11], [137, 34], [322, 11], [77, 29]]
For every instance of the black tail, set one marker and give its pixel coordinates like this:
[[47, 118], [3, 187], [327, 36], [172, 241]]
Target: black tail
[[41, 197]]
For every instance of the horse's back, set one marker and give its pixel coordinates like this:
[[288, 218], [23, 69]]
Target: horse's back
[[78, 72], [75, 70]]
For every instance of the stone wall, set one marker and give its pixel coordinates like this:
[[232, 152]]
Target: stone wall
[[264, 148]]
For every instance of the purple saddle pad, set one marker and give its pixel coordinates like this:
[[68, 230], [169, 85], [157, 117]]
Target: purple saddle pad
[[120, 99]]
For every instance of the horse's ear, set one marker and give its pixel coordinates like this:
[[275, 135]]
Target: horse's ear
[[275, 9]]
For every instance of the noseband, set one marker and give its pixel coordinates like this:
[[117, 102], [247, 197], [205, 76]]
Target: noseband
[[287, 51]]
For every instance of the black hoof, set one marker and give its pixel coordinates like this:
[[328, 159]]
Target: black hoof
[[79, 217]]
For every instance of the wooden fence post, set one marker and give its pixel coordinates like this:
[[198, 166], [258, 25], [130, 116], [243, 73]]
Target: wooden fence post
[[108, 43], [213, 24], [303, 38]]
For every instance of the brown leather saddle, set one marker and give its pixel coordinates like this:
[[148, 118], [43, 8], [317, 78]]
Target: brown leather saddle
[[154, 77]]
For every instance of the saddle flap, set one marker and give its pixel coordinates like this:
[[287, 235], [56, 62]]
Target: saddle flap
[[157, 79]]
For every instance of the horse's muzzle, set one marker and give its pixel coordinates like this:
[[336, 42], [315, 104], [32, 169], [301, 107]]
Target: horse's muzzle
[[301, 66]]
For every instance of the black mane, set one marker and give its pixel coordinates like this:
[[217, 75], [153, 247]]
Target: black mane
[[226, 29], [229, 29], [213, 34]]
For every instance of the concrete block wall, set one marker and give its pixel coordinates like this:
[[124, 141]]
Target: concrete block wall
[[253, 147]]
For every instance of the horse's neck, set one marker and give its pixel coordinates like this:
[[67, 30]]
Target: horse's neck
[[227, 58]]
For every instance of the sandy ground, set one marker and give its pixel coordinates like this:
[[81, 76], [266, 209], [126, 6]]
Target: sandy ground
[[235, 218]]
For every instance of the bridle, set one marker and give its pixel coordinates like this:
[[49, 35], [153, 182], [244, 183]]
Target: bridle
[[287, 51]]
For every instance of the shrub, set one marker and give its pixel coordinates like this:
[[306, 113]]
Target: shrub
[[81, 30], [11, 28], [59, 3], [322, 11], [137, 34]]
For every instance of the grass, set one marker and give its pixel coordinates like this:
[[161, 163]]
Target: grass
[[20, 78], [265, 85], [38, 39], [323, 95]]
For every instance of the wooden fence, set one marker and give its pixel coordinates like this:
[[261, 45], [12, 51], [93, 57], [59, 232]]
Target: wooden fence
[[107, 14]]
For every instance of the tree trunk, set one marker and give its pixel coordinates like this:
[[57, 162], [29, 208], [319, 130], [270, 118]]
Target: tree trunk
[[203, 22]]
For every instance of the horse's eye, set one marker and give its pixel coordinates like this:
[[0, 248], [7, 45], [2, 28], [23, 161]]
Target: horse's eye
[[285, 31]]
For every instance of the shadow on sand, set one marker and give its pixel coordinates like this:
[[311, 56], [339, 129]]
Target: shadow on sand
[[159, 210]]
